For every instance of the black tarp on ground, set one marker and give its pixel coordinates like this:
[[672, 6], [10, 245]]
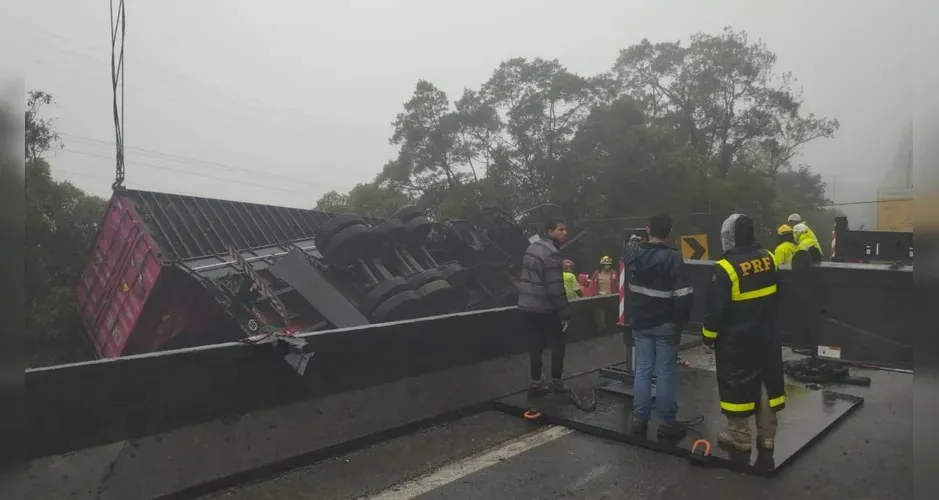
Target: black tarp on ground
[[809, 414]]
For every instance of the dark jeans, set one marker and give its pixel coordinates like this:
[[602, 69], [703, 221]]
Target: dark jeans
[[544, 330], [656, 355]]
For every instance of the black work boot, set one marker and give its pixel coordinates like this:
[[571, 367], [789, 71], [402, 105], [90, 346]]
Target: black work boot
[[671, 431], [537, 388], [639, 427], [558, 386]]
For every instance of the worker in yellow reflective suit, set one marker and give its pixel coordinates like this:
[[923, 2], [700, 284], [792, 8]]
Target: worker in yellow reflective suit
[[787, 247], [740, 323], [805, 237], [571, 286]]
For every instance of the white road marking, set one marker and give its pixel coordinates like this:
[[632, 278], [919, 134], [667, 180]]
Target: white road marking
[[458, 470]]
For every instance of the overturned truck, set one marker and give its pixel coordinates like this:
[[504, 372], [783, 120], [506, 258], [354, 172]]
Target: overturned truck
[[171, 271]]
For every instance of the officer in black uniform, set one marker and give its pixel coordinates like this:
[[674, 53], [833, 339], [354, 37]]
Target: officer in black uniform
[[740, 325]]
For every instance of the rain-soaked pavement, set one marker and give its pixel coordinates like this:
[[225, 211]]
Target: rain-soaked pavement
[[494, 456]]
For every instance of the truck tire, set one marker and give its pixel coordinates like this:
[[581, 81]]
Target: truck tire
[[422, 278], [347, 245], [390, 231], [334, 226], [457, 275], [434, 287], [442, 298], [383, 291], [402, 306]]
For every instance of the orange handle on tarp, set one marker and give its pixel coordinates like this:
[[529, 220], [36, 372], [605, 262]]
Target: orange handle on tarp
[[707, 447]]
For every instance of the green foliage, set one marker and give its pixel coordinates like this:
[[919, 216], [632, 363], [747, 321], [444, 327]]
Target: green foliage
[[372, 199], [700, 128], [41, 136], [61, 224], [722, 93]]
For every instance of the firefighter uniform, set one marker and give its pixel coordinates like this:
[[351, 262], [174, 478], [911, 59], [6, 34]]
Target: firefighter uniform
[[604, 279], [740, 324]]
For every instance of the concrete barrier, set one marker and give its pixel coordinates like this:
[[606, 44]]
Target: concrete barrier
[[77, 406], [194, 460]]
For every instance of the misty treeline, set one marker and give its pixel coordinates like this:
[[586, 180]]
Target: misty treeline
[[700, 127], [61, 223]]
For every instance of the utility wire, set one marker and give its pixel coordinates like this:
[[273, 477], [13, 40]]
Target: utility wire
[[86, 175], [195, 161], [188, 172], [235, 99]]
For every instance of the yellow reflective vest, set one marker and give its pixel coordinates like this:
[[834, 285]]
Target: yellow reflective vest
[[571, 286], [784, 252]]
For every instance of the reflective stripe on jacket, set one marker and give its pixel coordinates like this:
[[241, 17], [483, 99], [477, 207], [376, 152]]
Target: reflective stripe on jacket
[[740, 318], [660, 290]]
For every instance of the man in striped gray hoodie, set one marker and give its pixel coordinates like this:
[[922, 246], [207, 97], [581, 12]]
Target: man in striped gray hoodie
[[543, 303]]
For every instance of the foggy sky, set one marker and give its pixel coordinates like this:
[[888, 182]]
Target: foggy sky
[[287, 100]]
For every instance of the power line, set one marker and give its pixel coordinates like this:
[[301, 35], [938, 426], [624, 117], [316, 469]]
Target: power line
[[187, 172], [103, 178], [235, 98], [186, 159], [299, 116]]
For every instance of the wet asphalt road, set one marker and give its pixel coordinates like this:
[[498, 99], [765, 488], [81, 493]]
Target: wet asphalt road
[[868, 456]]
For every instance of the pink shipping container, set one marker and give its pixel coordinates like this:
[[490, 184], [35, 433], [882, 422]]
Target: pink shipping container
[[134, 295]]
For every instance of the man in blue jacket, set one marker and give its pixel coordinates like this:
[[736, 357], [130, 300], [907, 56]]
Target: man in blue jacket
[[661, 297], [543, 302]]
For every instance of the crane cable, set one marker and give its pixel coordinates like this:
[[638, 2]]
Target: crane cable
[[117, 80]]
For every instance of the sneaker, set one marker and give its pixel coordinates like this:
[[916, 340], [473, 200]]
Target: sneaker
[[734, 441], [639, 427], [558, 386], [537, 388], [671, 431], [766, 444]]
